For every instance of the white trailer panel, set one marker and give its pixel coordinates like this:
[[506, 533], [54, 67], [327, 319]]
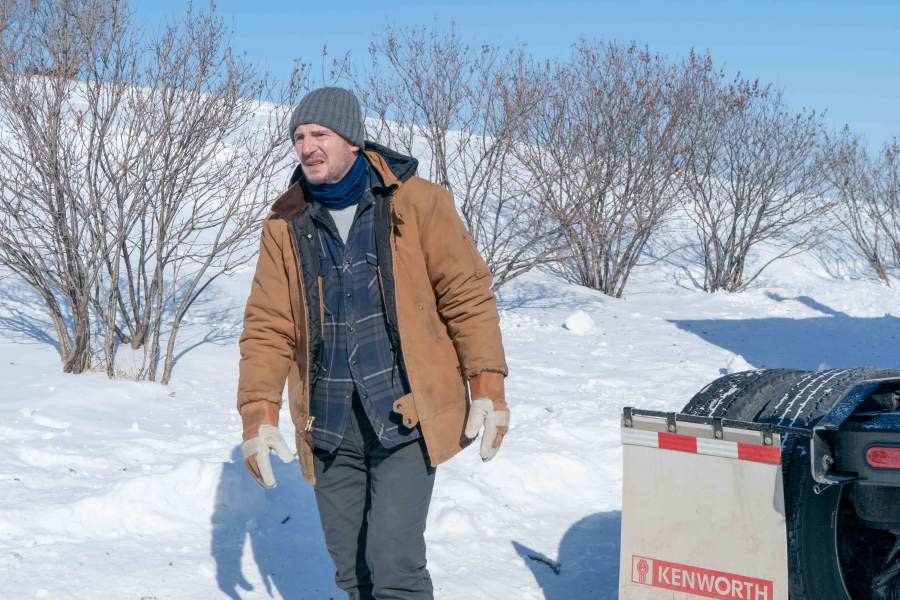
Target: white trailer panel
[[702, 513]]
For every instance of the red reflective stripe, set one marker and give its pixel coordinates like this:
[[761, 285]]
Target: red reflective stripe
[[674, 441], [883, 457], [752, 452], [765, 454]]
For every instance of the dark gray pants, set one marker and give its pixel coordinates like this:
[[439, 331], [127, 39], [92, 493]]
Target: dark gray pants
[[373, 503]]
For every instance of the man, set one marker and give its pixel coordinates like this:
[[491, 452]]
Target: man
[[372, 301]]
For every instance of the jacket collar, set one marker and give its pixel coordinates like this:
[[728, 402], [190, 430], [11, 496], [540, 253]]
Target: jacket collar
[[392, 169]]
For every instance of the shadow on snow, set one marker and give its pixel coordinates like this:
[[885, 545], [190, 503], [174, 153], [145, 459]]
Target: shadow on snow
[[833, 340], [282, 529], [587, 563], [22, 315]]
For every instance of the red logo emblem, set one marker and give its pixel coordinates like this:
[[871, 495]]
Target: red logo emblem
[[699, 581], [641, 570]]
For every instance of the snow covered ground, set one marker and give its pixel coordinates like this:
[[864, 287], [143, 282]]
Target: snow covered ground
[[114, 489]]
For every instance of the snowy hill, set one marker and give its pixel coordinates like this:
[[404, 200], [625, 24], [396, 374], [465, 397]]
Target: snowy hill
[[118, 489]]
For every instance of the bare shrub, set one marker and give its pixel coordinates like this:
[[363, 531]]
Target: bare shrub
[[465, 108], [888, 182], [753, 175], [206, 157], [135, 170], [45, 237], [868, 204], [603, 147]]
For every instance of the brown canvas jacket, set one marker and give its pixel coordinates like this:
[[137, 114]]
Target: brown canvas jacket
[[446, 316]]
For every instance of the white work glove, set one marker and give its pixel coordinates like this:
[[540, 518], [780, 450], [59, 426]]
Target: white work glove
[[256, 454], [495, 419]]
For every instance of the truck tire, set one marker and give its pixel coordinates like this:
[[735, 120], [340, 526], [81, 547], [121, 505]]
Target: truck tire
[[814, 569], [742, 396], [832, 554], [784, 397], [815, 394]]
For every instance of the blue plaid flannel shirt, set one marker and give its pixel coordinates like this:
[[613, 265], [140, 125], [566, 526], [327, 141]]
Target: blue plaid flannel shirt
[[357, 353]]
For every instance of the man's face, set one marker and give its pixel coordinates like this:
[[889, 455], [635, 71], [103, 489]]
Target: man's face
[[325, 156]]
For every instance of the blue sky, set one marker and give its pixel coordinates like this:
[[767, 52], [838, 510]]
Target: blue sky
[[839, 56]]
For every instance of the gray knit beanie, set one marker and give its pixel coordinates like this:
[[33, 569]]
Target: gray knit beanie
[[335, 108]]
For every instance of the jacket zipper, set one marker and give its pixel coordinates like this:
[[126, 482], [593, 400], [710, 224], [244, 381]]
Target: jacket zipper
[[381, 286], [392, 248], [305, 303]]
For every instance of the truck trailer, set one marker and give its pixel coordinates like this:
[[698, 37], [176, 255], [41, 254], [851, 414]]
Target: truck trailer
[[768, 484]]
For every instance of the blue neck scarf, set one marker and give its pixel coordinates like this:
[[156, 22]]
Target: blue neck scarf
[[347, 191]]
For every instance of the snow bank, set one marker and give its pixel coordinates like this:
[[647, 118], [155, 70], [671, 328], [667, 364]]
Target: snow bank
[[144, 505]]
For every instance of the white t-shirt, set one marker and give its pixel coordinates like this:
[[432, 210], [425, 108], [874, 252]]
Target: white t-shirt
[[343, 219]]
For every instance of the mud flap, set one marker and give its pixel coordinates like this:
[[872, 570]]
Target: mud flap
[[702, 512]]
